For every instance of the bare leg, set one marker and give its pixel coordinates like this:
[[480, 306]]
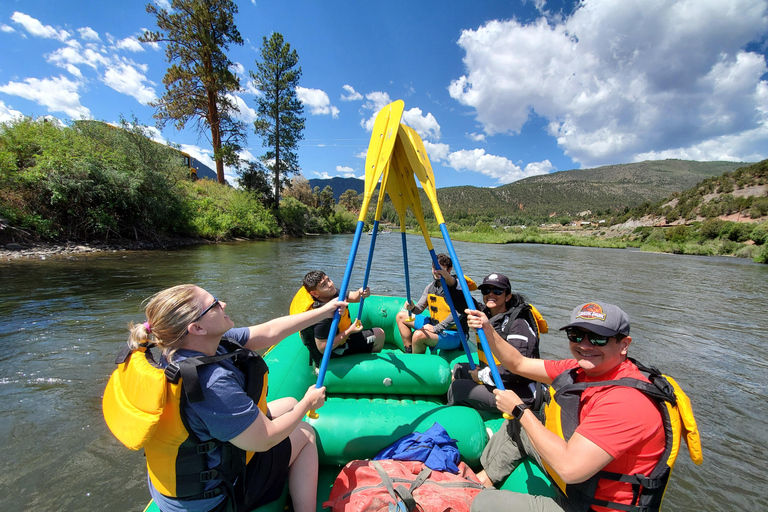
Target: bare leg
[[405, 327], [380, 339], [302, 471], [423, 338], [484, 479]]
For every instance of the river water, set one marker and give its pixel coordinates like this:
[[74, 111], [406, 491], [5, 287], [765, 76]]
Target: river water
[[701, 319]]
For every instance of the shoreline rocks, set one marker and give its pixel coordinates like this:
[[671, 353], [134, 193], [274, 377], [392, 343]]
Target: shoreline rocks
[[43, 250]]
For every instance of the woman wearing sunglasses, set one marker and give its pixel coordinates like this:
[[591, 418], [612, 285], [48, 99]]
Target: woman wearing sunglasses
[[596, 443], [512, 320], [215, 444]]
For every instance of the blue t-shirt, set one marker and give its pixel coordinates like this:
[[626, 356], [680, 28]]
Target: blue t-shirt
[[224, 414]]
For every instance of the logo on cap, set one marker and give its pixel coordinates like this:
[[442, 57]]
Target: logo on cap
[[591, 311]]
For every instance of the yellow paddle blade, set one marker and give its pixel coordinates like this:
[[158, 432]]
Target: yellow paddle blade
[[407, 186], [419, 161], [383, 137], [395, 193], [384, 180]]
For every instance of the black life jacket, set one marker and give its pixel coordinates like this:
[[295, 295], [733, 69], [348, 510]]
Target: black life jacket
[[562, 418]]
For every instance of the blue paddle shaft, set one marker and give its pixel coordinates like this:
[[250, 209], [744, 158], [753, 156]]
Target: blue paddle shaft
[[470, 304], [342, 296], [374, 234], [455, 314], [407, 275]]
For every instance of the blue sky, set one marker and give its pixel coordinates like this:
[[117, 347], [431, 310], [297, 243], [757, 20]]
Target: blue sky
[[499, 91]]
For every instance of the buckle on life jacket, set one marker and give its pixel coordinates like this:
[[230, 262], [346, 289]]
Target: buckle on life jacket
[[205, 476], [172, 373], [216, 491], [206, 447]]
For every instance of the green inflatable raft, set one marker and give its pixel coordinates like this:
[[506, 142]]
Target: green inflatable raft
[[375, 399]]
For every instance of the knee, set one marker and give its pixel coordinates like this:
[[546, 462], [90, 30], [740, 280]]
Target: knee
[[307, 431]]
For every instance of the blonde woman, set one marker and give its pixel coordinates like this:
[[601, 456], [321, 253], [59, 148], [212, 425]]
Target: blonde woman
[[196, 455]]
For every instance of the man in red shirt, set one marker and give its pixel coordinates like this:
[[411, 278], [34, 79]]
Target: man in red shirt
[[613, 428]]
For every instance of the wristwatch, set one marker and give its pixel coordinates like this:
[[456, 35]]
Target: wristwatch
[[518, 411]]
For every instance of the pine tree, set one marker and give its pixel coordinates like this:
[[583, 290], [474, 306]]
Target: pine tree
[[199, 81], [280, 123]]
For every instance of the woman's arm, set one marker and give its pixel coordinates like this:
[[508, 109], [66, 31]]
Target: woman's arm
[[272, 332], [264, 433]]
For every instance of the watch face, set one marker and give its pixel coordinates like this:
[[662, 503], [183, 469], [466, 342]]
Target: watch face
[[518, 411]]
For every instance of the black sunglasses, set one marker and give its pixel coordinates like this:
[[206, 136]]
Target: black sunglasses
[[495, 291], [576, 335], [213, 305]]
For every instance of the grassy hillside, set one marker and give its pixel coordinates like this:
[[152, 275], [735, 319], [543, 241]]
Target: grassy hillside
[[567, 193], [562, 194]]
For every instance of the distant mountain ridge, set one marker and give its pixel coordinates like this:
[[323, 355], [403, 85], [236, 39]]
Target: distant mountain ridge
[[565, 193], [339, 185]]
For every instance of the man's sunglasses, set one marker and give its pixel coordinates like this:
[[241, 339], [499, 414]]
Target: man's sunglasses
[[213, 305], [576, 335], [495, 291]]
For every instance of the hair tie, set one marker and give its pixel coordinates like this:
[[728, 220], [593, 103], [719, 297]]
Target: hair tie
[[148, 327]]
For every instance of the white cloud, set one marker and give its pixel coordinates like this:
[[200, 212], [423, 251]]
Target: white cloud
[[8, 114], [425, 126], [6, 28], [73, 55], [497, 167], [37, 29], [131, 44], [345, 172], [88, 34], [476, 137], [318, 102], [125, 78], [618, 79], [163, 4], [245, 113], [238, 68], [437, 152], [57, 94], [352, 94]]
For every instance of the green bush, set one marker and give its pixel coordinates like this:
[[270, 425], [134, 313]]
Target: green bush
[[293, 216], [762, 255], [711, 228], [759, 233], [738, 231], [677, 234]]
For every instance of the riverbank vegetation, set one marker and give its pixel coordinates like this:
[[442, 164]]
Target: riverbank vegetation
[[93, 182]]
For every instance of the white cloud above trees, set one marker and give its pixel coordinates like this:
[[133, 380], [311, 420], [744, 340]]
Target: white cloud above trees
[[618, 81], [317, 101]]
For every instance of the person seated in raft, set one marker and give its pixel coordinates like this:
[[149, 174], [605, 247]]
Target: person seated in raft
[[603, 445], [351, 337], [437, 330], [513, 322], [232, 417]]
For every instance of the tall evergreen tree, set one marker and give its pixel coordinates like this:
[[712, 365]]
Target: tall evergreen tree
[[199, 82], [280, 122]]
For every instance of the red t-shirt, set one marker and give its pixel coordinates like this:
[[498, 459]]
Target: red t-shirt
[[622, 421]]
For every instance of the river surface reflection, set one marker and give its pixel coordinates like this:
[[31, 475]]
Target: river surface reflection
[[702, 320]]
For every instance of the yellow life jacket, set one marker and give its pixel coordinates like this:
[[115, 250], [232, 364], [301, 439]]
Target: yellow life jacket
[[142, 407], [304, 301], [562, 418], [534, 319], [438, 306]]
